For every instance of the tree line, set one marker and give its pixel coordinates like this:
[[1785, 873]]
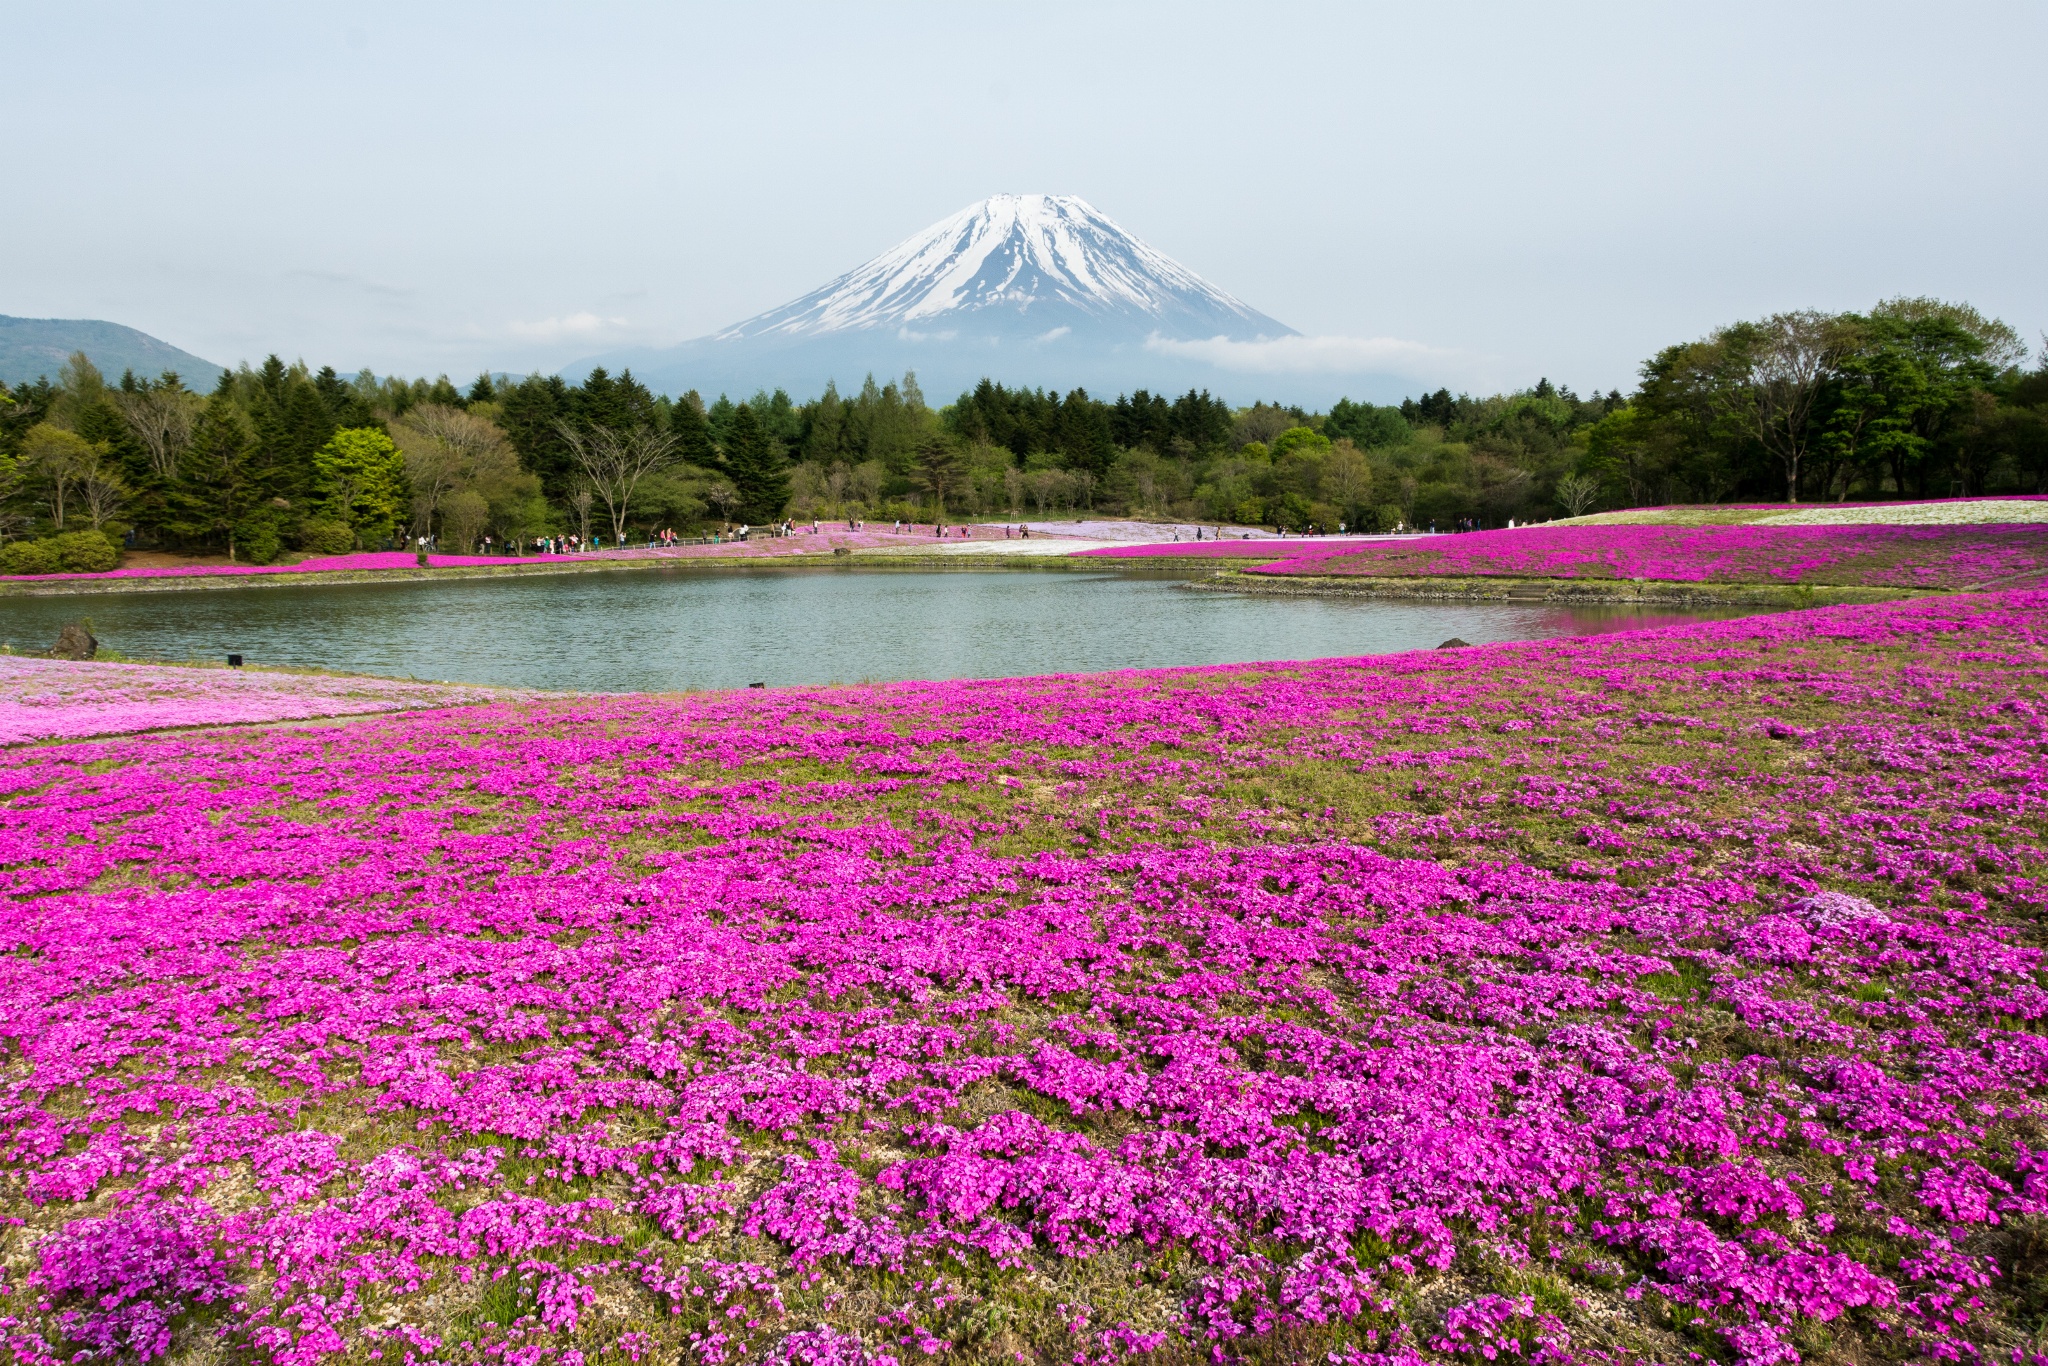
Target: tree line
[[1915, 398]]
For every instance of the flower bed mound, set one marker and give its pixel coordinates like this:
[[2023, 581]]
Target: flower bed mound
[[1262, 548], [1858, 556], [2024, 507], [1666, 995], [49, 699]]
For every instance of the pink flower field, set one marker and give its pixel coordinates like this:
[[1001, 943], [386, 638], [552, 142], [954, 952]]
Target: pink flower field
[[1674, 995], [1878, 556], [52, 699], [1267, 548]]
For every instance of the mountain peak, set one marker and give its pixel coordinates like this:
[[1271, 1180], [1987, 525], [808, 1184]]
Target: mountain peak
[[1016, 266]]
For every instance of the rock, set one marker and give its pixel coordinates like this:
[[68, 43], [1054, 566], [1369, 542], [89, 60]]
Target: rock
[[1454, 643], [841, 550], [75, 642]]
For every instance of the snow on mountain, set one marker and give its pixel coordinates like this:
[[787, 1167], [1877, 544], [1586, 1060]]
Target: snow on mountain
[[1017, 265], [1025, 289]]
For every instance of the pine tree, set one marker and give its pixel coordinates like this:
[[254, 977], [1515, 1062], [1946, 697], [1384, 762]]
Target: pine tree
[[754, 462], [220, 486], [692, 434], [718, 417], [1084, 435], [530, 413], [941, 470]]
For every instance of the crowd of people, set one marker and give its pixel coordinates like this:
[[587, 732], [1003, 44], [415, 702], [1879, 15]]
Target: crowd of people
[[667, 538]]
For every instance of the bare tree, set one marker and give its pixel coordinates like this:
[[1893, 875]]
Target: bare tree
[[868, 477], [1049, 487], [162, 421], [463, 518], [580, 501], [446, 450], [101, 491], [1790, 357], [1261, 422], [61, 458], [432, 472], [1576, 493], [470, 439], [615, 462], [720, 493], [1347, 474]]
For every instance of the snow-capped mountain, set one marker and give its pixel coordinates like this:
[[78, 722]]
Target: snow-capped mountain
[[1025, 289], [1018, 265]]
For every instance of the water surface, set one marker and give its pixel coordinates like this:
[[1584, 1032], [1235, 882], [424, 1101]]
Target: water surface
[[668, 629]]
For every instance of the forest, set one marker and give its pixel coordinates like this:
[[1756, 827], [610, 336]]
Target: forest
[[1915, 398]]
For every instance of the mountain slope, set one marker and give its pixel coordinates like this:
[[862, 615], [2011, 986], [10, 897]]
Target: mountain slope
[[1018, 265], [31, 348], [1026, 289]]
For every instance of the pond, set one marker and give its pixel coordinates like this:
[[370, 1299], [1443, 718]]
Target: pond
[[673, 629]]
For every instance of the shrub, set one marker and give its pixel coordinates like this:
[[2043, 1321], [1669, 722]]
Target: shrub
[[84, 552], [326, 536], [1292, 511], [257, 541], [29, 557]]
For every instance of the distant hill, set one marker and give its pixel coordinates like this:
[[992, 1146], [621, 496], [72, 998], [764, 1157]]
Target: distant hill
[[33, 347]]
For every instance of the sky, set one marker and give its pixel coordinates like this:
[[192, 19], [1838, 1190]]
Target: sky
[[1485, 193]]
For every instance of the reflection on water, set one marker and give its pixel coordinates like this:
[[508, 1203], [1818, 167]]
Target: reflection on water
[[659, 630]]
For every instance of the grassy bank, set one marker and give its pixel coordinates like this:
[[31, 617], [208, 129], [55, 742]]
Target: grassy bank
[[1588, 592]]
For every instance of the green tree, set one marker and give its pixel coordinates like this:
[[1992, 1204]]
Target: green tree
[[62, 460], [1365, 424], [941, 469], [531, 413], [754, 462], [691, 433], [359, 478], [1940, 360], [220, 484], [1306, 440], [1085, 436]]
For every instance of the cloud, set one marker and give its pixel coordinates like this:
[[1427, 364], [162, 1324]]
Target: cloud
[[1053, 335], [1310, 355], [554, 329]]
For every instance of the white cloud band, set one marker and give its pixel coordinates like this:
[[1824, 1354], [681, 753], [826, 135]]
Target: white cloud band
[[1307, 355], [573, 325]]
